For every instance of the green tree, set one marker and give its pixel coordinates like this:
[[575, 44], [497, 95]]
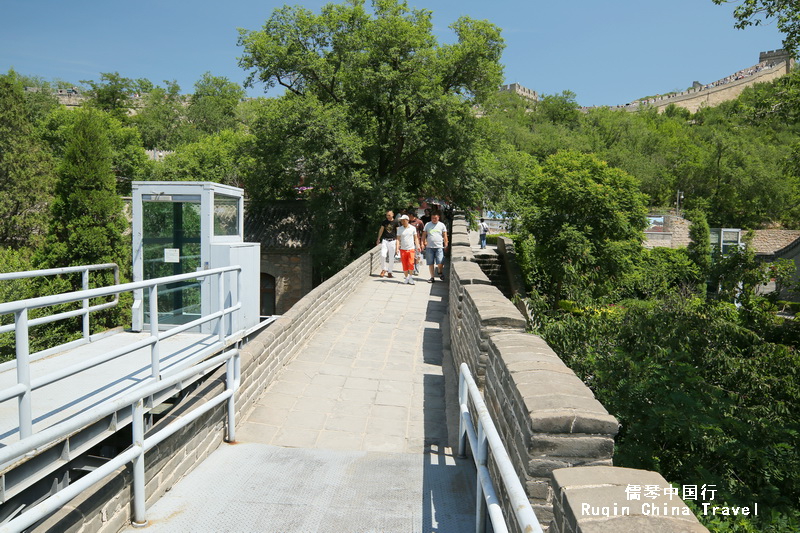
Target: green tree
[[27, 175], [212, 107], [111, 94], [162, 120], [586, 220], [402, 102], [225, 157], [129, 160], [559, 109], [87, 224], [39, 97], [699, 248], [699, 397]]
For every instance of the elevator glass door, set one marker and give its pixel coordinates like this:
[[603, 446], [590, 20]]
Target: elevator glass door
[[171, 245]]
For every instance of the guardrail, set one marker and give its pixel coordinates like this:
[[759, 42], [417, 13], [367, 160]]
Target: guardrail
[[25, 384], [135, 453], [481, 441], [85, 311]]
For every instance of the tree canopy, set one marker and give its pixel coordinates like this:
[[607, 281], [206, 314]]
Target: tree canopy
[[376, 112], [26, 170], [405, 96]]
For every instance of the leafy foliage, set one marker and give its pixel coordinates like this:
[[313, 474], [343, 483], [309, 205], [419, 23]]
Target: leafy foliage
[[376, 112], [88, 225], [112, 94], [26, 170], [162, 122], [212, 107], [586, 220], [688, 383]]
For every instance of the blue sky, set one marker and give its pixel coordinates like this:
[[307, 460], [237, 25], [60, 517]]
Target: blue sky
[[607, 52]]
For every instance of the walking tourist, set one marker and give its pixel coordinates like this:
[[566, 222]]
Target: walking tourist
[[484, 229], [417, 223], [387, 236], [408, 243], [435, 243]]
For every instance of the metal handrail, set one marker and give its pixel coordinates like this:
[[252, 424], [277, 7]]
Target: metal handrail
[[483, 440], [85, 310], [25, 385], [136, 452]]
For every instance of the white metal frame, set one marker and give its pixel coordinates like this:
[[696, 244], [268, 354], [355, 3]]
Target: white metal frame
[[481, 442], [25, 384], [167, 189], [85, 311], [135, 454]]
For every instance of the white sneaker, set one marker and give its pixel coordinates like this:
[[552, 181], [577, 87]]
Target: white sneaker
[[411, 281], [405, 280]]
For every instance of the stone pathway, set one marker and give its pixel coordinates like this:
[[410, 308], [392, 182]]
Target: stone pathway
[[370, 379], [365, 417]]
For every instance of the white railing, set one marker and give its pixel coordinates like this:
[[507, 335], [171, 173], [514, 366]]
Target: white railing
[[481, 441], [84, 312], [25, 384], [135, 454]]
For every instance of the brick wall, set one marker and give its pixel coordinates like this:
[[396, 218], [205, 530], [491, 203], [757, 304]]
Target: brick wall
[[549, 421], [106, 506]]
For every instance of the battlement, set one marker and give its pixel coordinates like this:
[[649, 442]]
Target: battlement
[[775, 56], [521, 90]]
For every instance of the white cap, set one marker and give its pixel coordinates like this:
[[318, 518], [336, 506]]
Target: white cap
[[403, 217]]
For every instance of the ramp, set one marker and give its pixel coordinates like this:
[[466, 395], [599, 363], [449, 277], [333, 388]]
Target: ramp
[[258, 487]]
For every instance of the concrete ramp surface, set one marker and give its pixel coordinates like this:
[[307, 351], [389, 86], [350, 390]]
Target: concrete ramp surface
[[262, 488]]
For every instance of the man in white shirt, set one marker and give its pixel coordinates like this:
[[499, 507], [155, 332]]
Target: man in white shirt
[[435, 243], [484, 229], [408, 244]]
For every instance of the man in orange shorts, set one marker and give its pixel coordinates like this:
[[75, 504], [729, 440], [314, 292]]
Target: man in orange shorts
[[408, 243]]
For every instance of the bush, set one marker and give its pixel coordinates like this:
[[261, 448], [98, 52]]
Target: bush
[[700, 398], [491, 238]]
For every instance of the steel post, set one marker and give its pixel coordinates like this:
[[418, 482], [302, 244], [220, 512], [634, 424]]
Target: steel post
[[23, 373], [481, 453], [230, 384], [463, 393], [85, 286], [139, 518], [221, 296], [155, 355]]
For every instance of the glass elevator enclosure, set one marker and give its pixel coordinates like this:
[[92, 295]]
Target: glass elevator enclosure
[[182, 227]]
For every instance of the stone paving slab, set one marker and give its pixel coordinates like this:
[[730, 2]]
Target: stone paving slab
[[363, 377], [258, 487]]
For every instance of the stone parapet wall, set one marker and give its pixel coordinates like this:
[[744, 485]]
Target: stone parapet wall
[[594, 499], [508, 255], [548, 419], [107, 506]]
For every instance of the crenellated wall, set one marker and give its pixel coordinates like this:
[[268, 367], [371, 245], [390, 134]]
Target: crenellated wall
[[549, 420]]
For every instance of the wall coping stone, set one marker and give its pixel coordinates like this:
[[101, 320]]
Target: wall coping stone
[[469, 273], [493, 308], [604, 487], [459, 253]]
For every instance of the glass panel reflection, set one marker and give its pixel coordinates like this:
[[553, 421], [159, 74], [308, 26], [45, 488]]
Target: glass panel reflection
[[226, 215], [171, 245]]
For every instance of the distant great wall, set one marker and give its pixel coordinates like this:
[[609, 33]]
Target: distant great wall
[[771, 66]]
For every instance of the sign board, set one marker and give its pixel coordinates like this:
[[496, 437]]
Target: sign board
[[172, 255]]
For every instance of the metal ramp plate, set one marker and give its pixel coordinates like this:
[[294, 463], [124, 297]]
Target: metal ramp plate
[[258, 487]]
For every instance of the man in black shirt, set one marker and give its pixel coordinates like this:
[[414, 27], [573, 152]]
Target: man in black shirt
[[387, 237]]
